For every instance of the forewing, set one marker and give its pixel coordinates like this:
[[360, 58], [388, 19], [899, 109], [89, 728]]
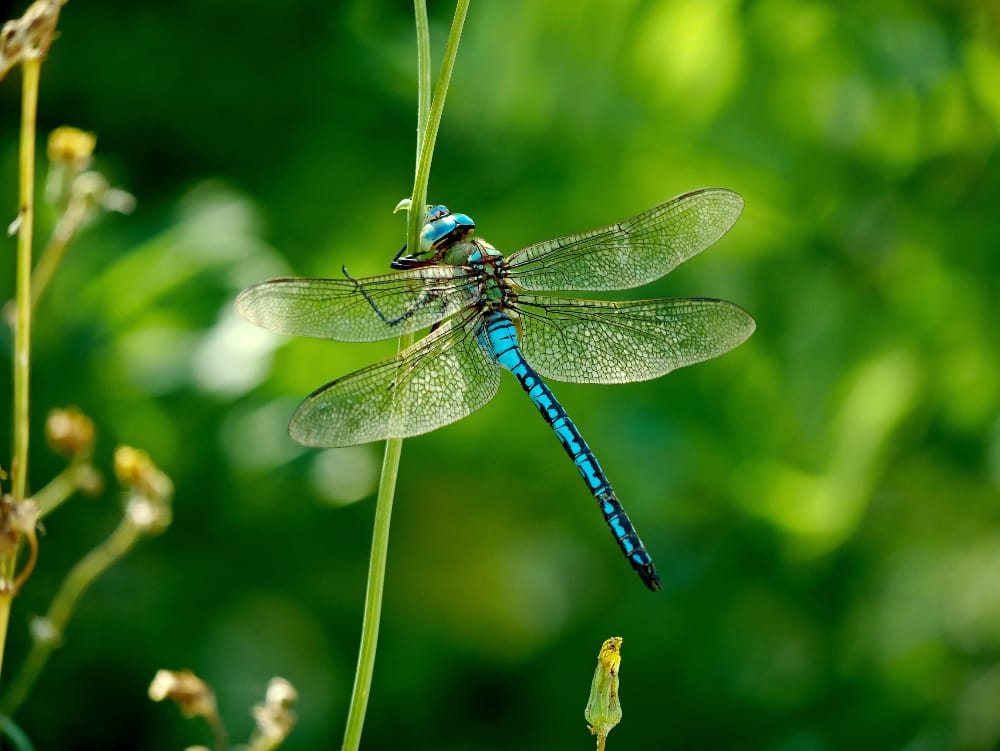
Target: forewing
[[357, 310], [592, 341], [630, 253], [440, 379]]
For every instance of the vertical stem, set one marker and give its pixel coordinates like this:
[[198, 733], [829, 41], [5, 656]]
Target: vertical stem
[[5, 599], [428, 120], [426, 153], [22, 327], [423, 73], [31, 67], [373, 596]]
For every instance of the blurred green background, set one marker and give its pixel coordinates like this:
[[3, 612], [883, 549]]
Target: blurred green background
[[823, 503]]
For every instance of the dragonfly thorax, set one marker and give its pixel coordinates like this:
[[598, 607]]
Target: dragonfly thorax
[[491, 265]]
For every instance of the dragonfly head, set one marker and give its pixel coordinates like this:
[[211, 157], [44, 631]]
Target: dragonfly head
[[442, 230]]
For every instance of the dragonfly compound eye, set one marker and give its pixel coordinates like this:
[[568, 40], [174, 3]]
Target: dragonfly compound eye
[[445, 231]]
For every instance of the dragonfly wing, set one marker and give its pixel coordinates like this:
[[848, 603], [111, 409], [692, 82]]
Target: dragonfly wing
[[593, 341], [630, 253], [358, 310], [440, 379]]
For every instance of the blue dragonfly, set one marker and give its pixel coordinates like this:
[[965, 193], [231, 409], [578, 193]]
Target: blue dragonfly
[[485, 316]]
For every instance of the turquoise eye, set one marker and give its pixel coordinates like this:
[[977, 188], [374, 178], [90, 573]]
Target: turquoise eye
[[444, 228]]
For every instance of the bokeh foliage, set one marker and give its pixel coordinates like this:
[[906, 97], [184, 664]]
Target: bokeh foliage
[[823, 503]]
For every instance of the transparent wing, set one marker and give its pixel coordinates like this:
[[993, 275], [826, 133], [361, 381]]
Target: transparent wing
[[591, 341], [358, 310], [630, 253], [440, 379]]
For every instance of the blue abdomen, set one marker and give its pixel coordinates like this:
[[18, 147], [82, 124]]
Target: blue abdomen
[[498, 338]]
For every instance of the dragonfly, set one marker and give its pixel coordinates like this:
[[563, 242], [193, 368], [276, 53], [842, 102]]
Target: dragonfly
[[488, 312]]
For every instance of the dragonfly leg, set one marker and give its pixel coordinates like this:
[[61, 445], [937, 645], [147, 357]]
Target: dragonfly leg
[[409, 261], [427, 297]]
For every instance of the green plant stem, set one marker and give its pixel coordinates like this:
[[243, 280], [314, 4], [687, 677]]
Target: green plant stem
[[373, 596], [31, 69], [5, 600], [22, 327], [428, 119], [219, 732], [54, 251], [426, 151], [79, 579], [57, 490], [10, 730], [423, 74]]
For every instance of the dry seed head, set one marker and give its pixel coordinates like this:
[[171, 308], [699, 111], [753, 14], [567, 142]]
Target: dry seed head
[[29, 37], [38, 24], [189, 692], [69, 431]]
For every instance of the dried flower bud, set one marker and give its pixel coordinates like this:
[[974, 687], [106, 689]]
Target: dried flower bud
[[150, 517], [136, 471], [603, 709], [150, 491], [281, 692], [69, 431], [79, 193], [274, 718], [29, 37], [39, 25], [72, 147], [188, 691]]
